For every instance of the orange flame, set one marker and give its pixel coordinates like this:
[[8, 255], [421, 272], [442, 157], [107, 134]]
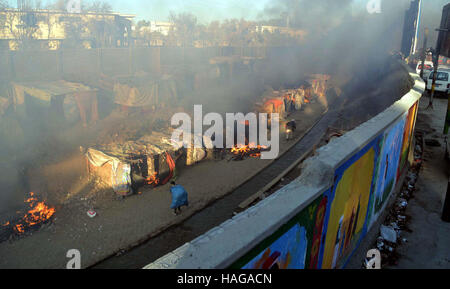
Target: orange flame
[[247, 149], [39, 212], [153, 180]]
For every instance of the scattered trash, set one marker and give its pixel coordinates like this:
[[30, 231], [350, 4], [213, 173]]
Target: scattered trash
[[388, 234], [402, 203], [380, 243], [91, 213], [395, 226], [418, 149]]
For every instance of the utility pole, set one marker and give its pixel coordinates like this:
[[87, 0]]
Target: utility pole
[[424, 53], [436, 54], [416, 35], [443, 34]]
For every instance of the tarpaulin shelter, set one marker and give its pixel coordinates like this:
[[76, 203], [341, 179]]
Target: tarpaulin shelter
[[59, 98], [4, 104], [142, 90], [284, 101], [319, 83], [153, 157]]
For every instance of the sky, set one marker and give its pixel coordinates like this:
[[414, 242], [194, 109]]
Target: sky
[[209, 10], [205, 10]]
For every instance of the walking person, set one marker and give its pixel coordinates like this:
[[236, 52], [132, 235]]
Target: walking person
[[290, 128], [179, 198]]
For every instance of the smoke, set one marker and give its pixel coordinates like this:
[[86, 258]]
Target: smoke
[[341, 35], [314, 16], [342, 38], [431, 19]]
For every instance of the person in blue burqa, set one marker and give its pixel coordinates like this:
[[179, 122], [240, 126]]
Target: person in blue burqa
[[179, 198]]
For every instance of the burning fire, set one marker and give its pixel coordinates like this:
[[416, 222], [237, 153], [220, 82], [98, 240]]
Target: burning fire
[[153, 180], [39, 212], [252, 150]]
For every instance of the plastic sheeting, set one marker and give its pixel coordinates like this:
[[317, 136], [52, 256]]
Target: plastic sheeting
[[121, 179], [121, 172], [4, 104], [45, 90], [152, 93], [179, 197], [99, 159]]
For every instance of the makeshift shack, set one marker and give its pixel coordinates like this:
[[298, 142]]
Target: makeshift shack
[[284, 101], [142, 90], [319, 83], [4, 105], [150, 160], [61, 99]]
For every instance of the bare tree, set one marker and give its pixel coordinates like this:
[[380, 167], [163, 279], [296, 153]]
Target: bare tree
[[185, 27], [22, 25], [60, 5], [3, 4], [98, 7]]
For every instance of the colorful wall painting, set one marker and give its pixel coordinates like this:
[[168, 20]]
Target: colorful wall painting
[[407, 137], [348, 205], [327, 232], [386, 175], [295, 245]]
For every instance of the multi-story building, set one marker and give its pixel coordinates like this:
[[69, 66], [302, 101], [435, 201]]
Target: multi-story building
[[52, 29]]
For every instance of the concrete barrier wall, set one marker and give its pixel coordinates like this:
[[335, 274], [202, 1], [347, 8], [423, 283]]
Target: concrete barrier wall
[[319, 219], [88, 63]]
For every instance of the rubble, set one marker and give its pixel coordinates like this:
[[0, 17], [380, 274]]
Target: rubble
[[388, 233], [396, 222]]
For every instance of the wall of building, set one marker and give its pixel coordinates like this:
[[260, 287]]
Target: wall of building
[[318, 220], [48, 29]]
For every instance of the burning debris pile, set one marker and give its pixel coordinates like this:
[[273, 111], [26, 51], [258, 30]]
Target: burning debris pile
[[38, 214], [397, 221], [241, 152]]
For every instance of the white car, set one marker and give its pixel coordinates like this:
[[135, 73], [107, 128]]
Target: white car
[[442, 81], [426, 70]]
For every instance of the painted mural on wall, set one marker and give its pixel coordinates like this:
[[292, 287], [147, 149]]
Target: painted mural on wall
[[348, 206], [388, 163], [407, 137], [327, 231], [296, 245]]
